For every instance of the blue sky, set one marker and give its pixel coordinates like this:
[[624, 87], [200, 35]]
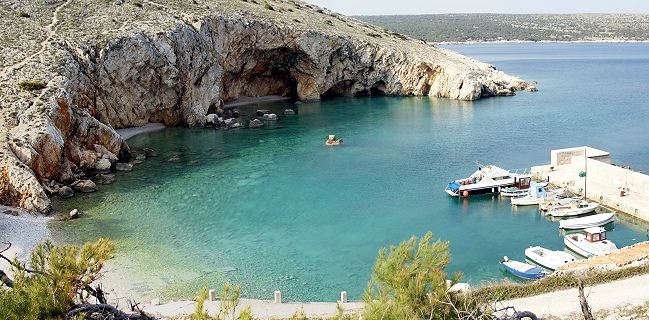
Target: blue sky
[[387, 7]]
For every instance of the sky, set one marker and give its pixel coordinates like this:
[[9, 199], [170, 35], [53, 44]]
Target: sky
[[392, 7]]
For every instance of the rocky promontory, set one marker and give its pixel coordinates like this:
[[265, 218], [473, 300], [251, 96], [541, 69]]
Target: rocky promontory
[[74, 71]]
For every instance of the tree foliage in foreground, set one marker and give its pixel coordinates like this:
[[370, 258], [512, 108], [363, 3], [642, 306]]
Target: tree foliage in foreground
[[409, 282], [60, 274]]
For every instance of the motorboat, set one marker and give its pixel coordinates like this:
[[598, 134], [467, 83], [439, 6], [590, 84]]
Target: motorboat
[[521, 187], [590, 243], [550, 259], [556, 202], [596, 220], [574, 208], [523, 270], [538, 193], [486, 180]]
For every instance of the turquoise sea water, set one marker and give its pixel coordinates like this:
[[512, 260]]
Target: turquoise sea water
[[274, 209]]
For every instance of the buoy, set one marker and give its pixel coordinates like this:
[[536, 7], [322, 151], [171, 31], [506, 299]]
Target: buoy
[[465, 193]]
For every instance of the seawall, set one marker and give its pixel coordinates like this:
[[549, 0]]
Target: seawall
[[618, 188]]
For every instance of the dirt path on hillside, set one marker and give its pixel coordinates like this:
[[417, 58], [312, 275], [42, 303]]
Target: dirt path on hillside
[[51, 31]]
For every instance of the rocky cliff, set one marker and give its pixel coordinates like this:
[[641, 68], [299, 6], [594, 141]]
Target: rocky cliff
[[74, 71]]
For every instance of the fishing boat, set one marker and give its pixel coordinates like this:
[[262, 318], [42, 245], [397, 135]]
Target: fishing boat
[[590, 243], [574, 208], [538, 194], [523, 270], [596, 220], [486, 180], [521, 187], [550, 259]]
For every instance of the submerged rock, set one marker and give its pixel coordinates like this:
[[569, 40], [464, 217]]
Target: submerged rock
[[120, 166], [255, 123], [270, 117]]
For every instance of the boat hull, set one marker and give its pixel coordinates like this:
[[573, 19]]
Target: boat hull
[[596, 220], [578, 244], [478, 190], [508, 192], [572, 212], [524, 270], [549, 259]]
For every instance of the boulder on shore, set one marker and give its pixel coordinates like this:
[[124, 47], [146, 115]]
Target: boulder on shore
[[85, 186]]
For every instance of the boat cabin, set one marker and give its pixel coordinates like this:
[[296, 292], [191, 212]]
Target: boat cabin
[[539, 192], [522, 182], [595, 234]]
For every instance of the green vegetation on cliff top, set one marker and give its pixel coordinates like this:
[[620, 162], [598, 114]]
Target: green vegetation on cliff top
[[480, 27]]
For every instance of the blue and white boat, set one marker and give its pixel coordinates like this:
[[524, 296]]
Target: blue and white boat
[[486, 180], [523, 270], [538, 193]]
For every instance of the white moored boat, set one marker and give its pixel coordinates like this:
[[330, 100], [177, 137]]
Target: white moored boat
[[549, 259], [521, 187], [554, 202], [596, 220], [487, 179], [538, 194], [591, 242], [574, 208]]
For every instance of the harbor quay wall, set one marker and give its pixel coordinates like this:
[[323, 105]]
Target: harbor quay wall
[[615, 187]]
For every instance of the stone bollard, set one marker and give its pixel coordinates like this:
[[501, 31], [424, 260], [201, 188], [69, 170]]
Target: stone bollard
[[212, 295], [343, 296], [278, 296]]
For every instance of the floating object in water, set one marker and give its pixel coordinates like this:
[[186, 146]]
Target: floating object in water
[[332, 141]]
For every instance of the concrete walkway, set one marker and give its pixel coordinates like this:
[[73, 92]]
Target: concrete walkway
[[607, 296], [261, 309]]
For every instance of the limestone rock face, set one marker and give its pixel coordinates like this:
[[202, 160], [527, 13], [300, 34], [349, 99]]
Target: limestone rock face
[[175, 63]]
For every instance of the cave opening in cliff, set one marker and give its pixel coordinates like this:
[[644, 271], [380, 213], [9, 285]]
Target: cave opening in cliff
[[378, 89], [268, 73], [349, 88], [343, 88]]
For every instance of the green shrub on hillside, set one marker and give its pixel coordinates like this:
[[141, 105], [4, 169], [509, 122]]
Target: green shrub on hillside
[[31, 85], [409, 283], [59, 275]]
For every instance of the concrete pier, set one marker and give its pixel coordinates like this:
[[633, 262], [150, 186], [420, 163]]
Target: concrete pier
[[618, 188]]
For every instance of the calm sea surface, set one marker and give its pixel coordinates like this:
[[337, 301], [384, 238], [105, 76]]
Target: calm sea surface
[[274, 209]]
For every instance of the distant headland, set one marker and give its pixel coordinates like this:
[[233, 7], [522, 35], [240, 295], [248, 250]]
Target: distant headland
[[491, 27]]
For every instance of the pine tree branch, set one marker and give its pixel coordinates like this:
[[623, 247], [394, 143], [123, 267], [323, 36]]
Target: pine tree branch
[[15, 265]]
